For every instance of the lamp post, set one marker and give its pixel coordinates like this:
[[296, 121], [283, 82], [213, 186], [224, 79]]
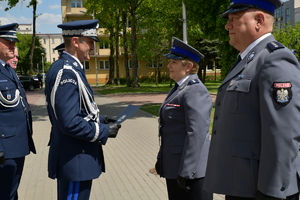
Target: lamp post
[[42, 54]]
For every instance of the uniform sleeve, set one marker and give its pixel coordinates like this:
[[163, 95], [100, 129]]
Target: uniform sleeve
[[279, 121], [197, 108], [70, 114]]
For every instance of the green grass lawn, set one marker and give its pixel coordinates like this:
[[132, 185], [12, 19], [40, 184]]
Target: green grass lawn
[[212, 87]]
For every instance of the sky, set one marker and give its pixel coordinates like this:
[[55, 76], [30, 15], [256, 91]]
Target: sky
[[49, 12]]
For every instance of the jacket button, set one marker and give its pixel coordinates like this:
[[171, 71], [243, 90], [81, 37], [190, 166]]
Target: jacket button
[[282, 188], [83, 151]]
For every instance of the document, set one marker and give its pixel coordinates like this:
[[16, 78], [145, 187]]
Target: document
[[126, 113]]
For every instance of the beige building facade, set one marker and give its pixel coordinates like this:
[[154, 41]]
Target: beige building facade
[[97, 69]]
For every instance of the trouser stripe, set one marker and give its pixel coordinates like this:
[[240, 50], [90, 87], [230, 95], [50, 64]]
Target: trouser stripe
[[73, 190]]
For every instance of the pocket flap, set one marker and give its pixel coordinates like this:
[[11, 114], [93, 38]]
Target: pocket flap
[[245, 149], [240, 85]]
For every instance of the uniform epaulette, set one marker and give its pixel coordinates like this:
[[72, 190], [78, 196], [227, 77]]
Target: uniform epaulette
[[191, 82], [274, 45]]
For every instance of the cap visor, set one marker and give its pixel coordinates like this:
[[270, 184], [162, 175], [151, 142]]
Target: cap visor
[[232, 10], [94, 38], [11, 39], [172, 56]]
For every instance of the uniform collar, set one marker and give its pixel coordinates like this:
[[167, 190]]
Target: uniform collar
[[182, 80], [81, 66], [253, 44], [2, 63]]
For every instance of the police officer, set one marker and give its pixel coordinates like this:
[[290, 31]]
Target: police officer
[[60, 48], [15, 119], [13, 62], [78, 132], [254, 148], [184, 124]]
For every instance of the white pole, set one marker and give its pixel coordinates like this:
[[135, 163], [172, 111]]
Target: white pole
[[43, 69], [184, 23]]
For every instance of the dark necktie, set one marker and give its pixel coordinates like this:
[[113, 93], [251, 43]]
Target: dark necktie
[[173, 90], [235, 64]]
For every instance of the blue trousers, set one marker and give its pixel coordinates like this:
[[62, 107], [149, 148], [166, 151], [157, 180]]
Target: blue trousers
[[10, 176], [73, 190]]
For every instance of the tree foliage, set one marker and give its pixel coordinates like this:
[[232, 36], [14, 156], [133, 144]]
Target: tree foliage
[[33, 4], [290, 37], [24, 53], [155, 22]]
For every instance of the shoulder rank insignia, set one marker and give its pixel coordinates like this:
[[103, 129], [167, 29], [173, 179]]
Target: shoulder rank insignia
[[282, 92], [274, 45], [194, 81]]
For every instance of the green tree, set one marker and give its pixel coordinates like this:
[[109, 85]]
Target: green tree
[[290, 37], [33, 4], [25, 51], [210, 50]]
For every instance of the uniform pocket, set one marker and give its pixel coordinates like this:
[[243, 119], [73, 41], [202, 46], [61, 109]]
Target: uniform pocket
[[238, 97]]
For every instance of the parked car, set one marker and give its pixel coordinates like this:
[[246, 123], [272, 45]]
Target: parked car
[[29, 83], [35, 77]]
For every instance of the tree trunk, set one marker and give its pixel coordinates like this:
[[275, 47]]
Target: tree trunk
[[117, 48], [111, 59], [34, 5], [204, 74], [134, 59], [125, 44]]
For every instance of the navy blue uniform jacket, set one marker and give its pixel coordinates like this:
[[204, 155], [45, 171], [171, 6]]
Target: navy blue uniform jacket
[[15, 117], [76, 142]]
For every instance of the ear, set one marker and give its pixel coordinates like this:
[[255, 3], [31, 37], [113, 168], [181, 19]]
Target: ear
[[75, 41], [189, 67], [260, 20]]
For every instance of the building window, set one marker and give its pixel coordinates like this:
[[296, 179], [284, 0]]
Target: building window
[[287, 15], [155, 64], [61, 40], [53, 41], [53, 59], [103, 45], [86, 65], [76, 3], [53, 51], [104, 64], [130, 64], [279, 12], [44, 41]]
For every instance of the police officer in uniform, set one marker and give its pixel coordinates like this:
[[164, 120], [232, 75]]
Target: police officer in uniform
[[183, 127], [78, 132], [15, 119], [254, 147], [60, 48]]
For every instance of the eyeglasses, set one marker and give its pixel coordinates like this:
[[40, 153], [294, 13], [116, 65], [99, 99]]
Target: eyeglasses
[[17, 57]]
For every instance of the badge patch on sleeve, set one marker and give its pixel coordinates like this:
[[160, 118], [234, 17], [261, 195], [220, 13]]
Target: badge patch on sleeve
[[282, 92]]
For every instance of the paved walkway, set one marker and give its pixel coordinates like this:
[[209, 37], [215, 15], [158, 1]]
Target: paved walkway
[[129, 156]]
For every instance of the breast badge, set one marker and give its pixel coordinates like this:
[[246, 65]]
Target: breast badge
[[282, 93]]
